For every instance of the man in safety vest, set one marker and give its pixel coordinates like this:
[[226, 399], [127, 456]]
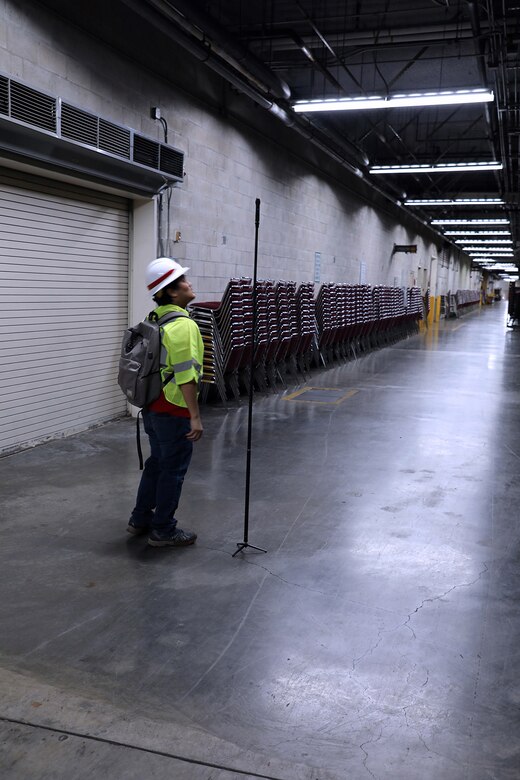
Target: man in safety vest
[[172, 422]]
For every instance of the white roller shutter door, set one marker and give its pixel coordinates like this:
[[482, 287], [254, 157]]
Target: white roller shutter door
[[63, 307]]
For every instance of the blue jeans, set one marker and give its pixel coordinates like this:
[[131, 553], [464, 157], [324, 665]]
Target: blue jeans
[[161, 482]]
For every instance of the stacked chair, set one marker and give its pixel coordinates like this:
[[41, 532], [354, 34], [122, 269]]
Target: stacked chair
[[294, 330], [467, 300], [391, 310], [306, 324], [233, 320], [325, 313], [267, 335], [414, 309], [285, 295], [212, 370], [268, 301], [365, 318]]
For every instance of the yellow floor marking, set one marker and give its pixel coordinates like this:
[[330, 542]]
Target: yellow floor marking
[[298, 393]]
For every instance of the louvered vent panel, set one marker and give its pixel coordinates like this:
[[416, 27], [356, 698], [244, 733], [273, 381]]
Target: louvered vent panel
[[4, 95], [114, 139], [40, 110], [172, 161], [78, 125], [146, 152], [33, 107]]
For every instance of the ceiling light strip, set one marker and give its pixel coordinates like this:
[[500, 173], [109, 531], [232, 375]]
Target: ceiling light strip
[[455, 202], [491, 249], [490, 165], [499, 221], [498, 242], [488, 255], [411, 100], [473, 233]]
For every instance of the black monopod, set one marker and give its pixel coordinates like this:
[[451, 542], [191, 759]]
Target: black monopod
[[245, 543]]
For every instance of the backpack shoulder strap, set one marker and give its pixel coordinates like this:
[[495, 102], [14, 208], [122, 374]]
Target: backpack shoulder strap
[[169, 316]]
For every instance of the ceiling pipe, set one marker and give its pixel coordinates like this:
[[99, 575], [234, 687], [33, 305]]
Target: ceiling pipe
[[350, 156], [282, 40], [223, 43], [480, 52], [501, 112], [201, 50], [204, 53]]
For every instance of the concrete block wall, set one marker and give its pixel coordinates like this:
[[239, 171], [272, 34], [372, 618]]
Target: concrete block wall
[[228, 165]]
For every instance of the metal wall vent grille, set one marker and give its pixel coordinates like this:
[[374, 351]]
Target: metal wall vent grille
[[78, 125], [146, 152], [33, 107], [171, 161], [89, 129], [4, 95], [114, 139]]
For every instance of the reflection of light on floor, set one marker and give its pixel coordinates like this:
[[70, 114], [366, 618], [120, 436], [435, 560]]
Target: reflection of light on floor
[[492, 362], [409, 558], [432, 335]]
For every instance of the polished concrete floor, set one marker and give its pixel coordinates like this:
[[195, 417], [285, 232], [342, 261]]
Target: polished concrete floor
[[378, 637]]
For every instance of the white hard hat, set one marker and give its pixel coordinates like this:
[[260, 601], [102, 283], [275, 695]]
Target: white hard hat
[[162, 272]]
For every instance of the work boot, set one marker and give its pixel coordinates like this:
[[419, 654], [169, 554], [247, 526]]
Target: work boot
[[135, 529], [175, 538]]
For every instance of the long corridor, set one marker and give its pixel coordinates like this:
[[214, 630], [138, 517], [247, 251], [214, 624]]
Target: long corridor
[[378, 636]]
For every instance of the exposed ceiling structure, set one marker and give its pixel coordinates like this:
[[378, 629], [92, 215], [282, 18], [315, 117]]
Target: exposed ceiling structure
[[284, 51], [461, 160]]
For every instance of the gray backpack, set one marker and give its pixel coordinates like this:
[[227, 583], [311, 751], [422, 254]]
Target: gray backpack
[[139, 374]]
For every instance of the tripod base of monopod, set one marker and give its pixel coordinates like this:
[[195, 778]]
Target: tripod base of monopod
[[242, 545]]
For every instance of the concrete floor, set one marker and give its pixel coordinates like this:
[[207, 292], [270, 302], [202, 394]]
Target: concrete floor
[[377, 638]]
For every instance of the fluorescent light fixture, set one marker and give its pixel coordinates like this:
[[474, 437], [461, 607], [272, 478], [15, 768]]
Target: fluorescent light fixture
[[470, 222], [455, 202], [486, 242], [410, 100], [490, 165], [485, 250], [487, 256], [471, 233]]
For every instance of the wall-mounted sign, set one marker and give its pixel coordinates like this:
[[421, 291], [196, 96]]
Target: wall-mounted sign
[[317, 267], [405, 248]]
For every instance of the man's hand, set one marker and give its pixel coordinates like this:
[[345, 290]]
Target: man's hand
[[189, 392], [196, 428]]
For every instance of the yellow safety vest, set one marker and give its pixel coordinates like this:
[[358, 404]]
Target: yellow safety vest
[[182, 353]]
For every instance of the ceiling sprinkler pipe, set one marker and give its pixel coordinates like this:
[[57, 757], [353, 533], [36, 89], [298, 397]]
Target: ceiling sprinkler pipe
[[200, 50], [224, 45], [304, 127], [205, 54]]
